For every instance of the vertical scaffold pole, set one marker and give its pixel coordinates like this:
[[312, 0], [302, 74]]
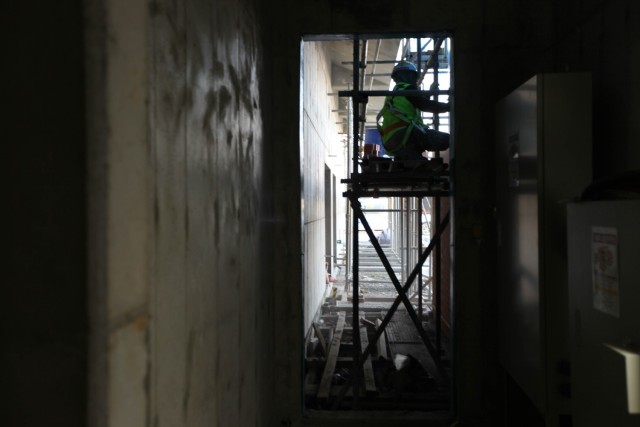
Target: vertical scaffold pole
[[348, 218], [356, 104], [436, 84], [437, 268], [356, 289], [435, 61], [419, 209]]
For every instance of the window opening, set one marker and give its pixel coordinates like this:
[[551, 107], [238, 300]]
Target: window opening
[[379, 337]]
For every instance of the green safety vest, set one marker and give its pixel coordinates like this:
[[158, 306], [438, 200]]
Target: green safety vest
[[398, 115]]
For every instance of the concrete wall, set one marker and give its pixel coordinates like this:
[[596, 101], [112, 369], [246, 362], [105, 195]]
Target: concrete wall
[[603, 37], [208, 140], [181, 321], [318, 141]]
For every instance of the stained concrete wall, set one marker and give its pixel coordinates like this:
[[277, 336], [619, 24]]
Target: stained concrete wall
[[181, 306], [207, 135]]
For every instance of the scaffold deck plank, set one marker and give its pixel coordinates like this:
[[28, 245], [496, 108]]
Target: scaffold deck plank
[[367, 368], [332, 357]]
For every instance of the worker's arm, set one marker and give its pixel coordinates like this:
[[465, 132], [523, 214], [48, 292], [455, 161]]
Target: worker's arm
[[423, 103]]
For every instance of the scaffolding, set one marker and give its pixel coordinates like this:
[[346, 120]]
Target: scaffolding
[[414, 192]]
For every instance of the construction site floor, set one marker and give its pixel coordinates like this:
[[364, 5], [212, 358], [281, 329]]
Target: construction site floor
[[401, 372]]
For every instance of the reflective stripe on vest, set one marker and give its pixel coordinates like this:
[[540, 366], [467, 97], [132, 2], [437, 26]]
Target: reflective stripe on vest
[[393, 127]]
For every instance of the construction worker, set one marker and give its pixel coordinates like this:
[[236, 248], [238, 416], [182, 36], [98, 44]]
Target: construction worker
[[404, 135]]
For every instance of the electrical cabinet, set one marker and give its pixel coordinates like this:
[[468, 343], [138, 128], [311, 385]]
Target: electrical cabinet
[[543, 160], [604, 304]]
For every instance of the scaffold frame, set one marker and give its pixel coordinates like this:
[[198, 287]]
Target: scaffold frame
[[373, 178]]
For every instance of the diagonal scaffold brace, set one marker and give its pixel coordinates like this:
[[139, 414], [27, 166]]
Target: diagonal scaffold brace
[[401, 298]]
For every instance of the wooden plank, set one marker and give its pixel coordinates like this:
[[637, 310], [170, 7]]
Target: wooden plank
[[367, 322], [382, 342], [332, 357], [367, 368], [323, 343]]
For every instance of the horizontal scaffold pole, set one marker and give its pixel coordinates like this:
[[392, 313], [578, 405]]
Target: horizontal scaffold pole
[[367, 93]]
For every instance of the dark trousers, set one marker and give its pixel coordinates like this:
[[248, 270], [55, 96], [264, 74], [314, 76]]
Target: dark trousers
[[419, 141]]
